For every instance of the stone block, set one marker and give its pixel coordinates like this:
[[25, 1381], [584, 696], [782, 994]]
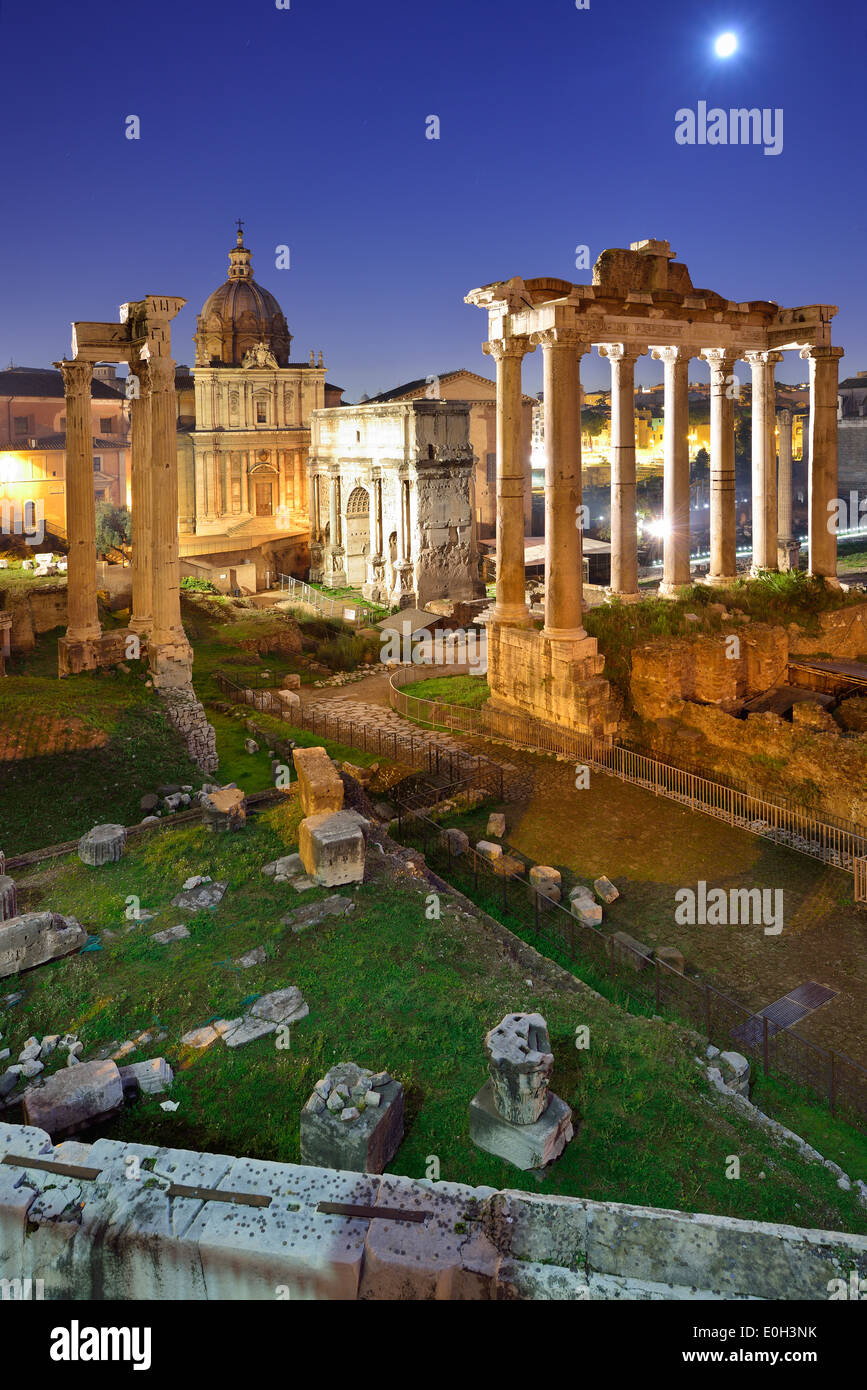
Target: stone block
[[670, 956], [8, 898], [508, 865], [583, 905], [33, 938], [224, 809], [455, 841], [605, 889], [520, 1061], [488, 850], [291, 681], [496, 824], [72, 1099], [281, 1006], [546, 881], [525, 1146], [102, 845], [146, 1078], [319, 781], [315, 913], [363, 1144], [332, 847], [629, 951], [289, 701], [735, 1072]]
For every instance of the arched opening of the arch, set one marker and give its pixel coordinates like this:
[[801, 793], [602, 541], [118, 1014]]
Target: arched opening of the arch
[[357, 537]]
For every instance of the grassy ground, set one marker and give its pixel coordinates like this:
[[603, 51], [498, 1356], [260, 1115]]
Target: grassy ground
[[453, 690], [390, 988]]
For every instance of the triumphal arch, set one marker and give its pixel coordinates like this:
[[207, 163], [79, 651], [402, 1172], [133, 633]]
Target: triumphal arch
[[641, 301], [142, 339]]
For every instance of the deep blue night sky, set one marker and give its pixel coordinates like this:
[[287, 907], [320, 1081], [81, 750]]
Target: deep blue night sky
[[557, 130]]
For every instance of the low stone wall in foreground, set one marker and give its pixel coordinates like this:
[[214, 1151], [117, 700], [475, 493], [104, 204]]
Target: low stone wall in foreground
[[138, 1223]]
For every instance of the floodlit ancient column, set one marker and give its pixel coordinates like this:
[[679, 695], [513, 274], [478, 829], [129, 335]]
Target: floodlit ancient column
[[141, 618], [624, 530], [822, 468], [167, 630], [333, 529], [764, 471], [675, 555], [564, 562], [723, 564], [511, 603], [784, 477], [82, 611]]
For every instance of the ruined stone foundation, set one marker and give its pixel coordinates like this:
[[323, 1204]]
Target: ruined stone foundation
[[559, 682]]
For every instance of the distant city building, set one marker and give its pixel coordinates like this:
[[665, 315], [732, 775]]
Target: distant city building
[[852, 433], [244, 429], [33, 440]]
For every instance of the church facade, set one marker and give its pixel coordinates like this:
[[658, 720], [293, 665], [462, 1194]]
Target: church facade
[[244, 439]]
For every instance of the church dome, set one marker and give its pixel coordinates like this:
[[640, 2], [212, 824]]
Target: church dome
[[240, 315]]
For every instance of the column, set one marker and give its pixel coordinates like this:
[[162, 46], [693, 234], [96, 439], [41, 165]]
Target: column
[[227, 483], [380, 540], [562, 350], [723, 511], [142, 501], [245, 488], [511, 604], [167, 627], [82, 622], [333, 531], [675, 555], [822, 466], [764, 470], [784, 477], [624, 530]]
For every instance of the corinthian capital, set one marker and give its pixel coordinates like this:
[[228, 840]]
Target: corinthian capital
[[763, 359], [569, 339], [77, 376], [816, 351], [671, 353], [621, 352], [498, 348]]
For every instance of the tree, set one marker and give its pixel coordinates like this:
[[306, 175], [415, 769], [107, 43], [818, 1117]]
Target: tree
[[113, 527]]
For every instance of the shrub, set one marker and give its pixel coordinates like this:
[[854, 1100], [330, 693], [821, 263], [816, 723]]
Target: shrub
[[198, 586]]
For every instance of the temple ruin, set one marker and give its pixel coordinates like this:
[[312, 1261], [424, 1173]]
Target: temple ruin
[[641, 301]]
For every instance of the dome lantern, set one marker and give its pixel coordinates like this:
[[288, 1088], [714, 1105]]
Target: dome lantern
[[240, 315]]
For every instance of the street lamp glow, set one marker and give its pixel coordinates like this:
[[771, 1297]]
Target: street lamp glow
[[725, 45]]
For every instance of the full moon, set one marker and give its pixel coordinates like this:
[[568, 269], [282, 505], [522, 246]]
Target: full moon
[[725, 45]]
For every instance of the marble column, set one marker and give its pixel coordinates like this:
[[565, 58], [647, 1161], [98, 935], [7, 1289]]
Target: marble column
[[784, 477], [764, 469], [333, 530], [675, 555], [141, 618], [562, 350], [227, 483], [624, 529], [167, 627], [82, 610], [511, 604], [723, 563], [245, 484], [822, 467]]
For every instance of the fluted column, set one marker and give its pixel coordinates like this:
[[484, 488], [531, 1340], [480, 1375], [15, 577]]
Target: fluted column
[[624, 531], [784, 477], [141, 618], [675, 555], [167, 627], [333, 531], [562, 350], [511, 604], [723, 563], [822, 468], [82, 611], [764, 469]]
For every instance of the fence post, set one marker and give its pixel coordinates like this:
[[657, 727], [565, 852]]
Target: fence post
[[656, 969], [765, 1048]]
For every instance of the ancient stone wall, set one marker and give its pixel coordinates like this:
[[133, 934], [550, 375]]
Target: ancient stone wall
[[526, 674], [122, 1235], [187, 714]]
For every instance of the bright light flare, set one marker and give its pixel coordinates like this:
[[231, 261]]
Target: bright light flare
[[725, 45]]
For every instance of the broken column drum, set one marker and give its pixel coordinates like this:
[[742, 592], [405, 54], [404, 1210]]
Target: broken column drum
[[520, 1066]]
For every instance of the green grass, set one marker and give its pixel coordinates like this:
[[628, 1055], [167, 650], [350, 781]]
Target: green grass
[[472, 691], [388, 988]]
